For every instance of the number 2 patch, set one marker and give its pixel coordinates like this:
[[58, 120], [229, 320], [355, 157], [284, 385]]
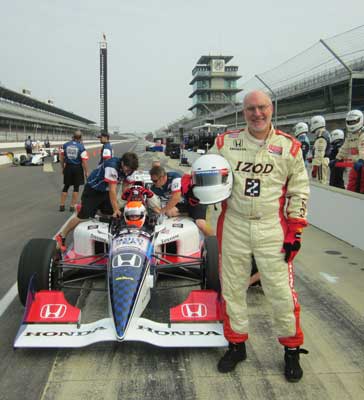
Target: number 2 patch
[[252, 187]]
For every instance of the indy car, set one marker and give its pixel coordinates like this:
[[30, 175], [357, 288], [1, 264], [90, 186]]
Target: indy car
[[131, 260], [36, 158]]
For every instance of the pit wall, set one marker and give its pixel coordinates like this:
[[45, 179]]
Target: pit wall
[[338, 212]]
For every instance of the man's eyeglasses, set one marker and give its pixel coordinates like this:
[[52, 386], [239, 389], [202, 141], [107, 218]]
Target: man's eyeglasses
[[261, 108]]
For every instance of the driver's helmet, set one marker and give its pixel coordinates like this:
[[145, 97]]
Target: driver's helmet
[[300, 128], [134, 214], [212, 179], [318, 121], [337, 134], [354, 121]]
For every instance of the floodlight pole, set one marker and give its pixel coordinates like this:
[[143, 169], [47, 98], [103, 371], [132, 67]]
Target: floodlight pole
[[275, 100], [345, 66]]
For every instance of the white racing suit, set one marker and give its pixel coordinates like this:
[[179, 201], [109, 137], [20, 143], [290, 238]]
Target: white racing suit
[[353, 150], [269, 195], [321, 156]]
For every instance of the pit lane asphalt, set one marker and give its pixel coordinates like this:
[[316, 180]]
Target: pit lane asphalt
[[332, 318]]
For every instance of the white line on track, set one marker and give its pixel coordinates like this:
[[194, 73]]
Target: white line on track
[[48, 167], [13, 291], [8, 298]]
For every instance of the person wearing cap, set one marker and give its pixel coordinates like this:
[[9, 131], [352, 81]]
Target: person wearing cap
[[73, 158], [106, 150]]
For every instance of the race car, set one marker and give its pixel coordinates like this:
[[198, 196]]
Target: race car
[[131, 260], [36, 158]]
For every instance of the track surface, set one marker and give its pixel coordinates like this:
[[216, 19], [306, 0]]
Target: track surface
[[331, 292]]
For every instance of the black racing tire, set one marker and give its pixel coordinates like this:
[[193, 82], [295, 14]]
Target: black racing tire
[[39, 257], [23, 160], [210, 265], [16, 161]]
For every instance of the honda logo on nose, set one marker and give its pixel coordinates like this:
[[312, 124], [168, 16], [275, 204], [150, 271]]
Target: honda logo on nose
[[55, 311], [194, 310]]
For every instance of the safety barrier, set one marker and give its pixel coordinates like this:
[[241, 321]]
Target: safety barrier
[[338, 212]]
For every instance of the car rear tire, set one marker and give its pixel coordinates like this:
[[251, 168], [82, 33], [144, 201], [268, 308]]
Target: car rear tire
[[39, 257], [210, 271]]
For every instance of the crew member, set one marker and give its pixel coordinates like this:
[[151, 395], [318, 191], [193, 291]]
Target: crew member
[[353, 149], [336, 173], [301, 133], [28, 144], [168, 187], [73, 158], [106, 149], [100, 192], [321, 150]]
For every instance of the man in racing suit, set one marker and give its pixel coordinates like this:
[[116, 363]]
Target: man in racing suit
[[300, 131], [269, 172], [321, 150], [353, 150]]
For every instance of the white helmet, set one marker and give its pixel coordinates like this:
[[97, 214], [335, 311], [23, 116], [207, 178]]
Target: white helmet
[[318, 121], [300, 128], [354, 121], [337, 134], [212, 179]]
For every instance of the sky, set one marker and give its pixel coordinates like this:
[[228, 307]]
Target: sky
[[52, 48]]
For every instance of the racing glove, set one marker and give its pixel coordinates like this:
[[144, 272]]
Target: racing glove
[[292, 240], [314, 171], [358, 165]]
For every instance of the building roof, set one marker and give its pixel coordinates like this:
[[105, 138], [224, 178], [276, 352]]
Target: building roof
[[40, 105], [206, 59]]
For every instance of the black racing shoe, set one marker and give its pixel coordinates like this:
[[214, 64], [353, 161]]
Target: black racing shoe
[[292, 370], [61, 208], [235, 354], [72, 208]]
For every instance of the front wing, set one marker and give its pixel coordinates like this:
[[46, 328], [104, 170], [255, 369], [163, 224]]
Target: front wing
[[143, 330], [50, 321]]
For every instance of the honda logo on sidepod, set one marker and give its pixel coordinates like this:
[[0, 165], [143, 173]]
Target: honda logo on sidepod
[[194, 310], [55, 311]]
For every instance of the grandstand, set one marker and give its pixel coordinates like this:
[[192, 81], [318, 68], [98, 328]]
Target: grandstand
[[22, 115]]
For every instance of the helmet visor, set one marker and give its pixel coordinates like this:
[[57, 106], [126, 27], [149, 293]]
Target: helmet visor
[[134, 217], [210, 178], [351, 122]]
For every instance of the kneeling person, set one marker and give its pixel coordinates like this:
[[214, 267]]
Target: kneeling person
[[168, 187], [100, 192]]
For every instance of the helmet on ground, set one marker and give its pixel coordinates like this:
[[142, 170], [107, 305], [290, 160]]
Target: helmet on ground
[[212, 179], [299, 128], [318, 121], [134, 214], [337, 134], [354, 121]]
